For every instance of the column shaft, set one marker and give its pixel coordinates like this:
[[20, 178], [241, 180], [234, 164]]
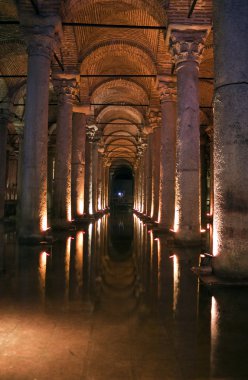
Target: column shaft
[[3, 155], [230, 231], [168, 158], [34, 166], [66, 88], [78, 163], [62, 180]]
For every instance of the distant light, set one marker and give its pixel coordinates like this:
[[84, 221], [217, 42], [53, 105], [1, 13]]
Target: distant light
[[203, 230]]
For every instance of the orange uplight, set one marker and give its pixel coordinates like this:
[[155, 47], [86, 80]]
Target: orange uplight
[[43, 223], [80, 207]]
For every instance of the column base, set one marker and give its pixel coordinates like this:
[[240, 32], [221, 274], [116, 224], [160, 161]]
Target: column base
[[35, 239], [186, 238], [162, 229], [60, 224], [227, 266]]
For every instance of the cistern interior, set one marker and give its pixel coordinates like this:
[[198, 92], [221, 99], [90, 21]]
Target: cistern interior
[[123, 189]]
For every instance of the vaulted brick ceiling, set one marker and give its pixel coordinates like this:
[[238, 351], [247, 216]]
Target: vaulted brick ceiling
[[107, 51]]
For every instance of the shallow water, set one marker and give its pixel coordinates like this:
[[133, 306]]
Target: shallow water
[[112, 301]]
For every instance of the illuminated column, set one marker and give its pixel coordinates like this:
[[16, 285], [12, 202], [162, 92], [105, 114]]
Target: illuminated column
[[41, 45], [4, 117], [50, 173], [135, 185], [230, 243], [168, 152], [100, 180], [155, 123], [141, 148], [66, 87], [186, 49], [94, 175], [90, 152], [148, 172], [78, 164]]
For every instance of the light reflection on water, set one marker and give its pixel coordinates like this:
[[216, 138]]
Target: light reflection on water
[[123, 271]]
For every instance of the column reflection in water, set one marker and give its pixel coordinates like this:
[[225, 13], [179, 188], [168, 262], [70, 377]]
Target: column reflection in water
[[176, 279], [229, 333], [67, 268], [117, 298], [42, 274]]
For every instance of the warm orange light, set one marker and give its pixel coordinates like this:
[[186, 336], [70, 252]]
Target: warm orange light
[[43, 222], [69, 211], [176, 280], [80, 206]]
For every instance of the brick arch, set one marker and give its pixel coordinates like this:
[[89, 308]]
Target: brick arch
[[154, 8], [128, 91], [131, 52]]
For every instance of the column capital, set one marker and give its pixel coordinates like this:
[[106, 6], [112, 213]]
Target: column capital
[[43, 34], [91, 130], [167, 88], [186, 43], [66, 87], [154, 118]]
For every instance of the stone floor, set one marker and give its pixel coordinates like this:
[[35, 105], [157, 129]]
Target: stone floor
[[110, 302]]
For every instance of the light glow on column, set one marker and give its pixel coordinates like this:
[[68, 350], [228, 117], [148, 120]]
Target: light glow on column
[[43, 222], [42, 273], [176, 279], [80, 206], [69, 209], [214, 333]]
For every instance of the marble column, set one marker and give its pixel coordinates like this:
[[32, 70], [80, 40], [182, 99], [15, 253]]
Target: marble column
[[94, 175], [99, 181], [155, 123], [90, 169], [4, 118], [78, 164], [149, 132], [33, 220], [230, 223], [50, 179], [186, 49], [66, 88], [168, 153]]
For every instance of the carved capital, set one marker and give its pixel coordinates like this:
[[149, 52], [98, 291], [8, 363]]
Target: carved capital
[[147, 129], [167, 92], [187, 46], [43, 34], [154, 118], [106, 161], [66, 89], [42, 45], [91, 130]]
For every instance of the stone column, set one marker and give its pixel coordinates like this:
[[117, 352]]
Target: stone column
[[34, 169], [100, 180], [186, 49], [78, 164], [168, 153], [230, 223], [149, 132], [66, 88], [50, 179], [94, 175], [4, 118], [155, 123], [90, 153]]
